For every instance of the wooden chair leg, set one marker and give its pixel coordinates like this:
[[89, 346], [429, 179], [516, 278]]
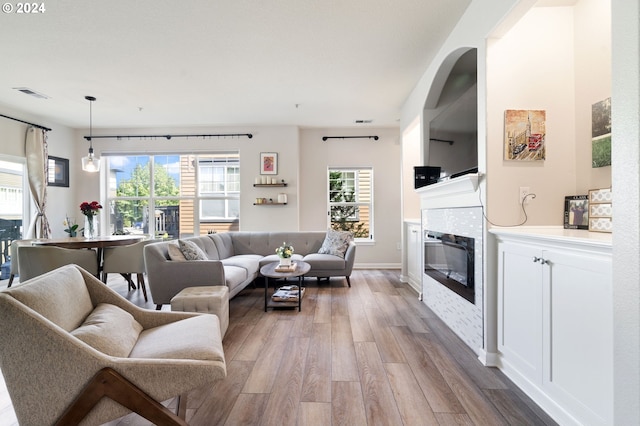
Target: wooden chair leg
[[11, 280], [111, 384], [348, 281], [141, 283], [182, 406]]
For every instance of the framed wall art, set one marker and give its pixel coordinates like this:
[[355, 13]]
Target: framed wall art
[[576, 212], [524, 135], [268, 163], [58, 171], [601, 133]]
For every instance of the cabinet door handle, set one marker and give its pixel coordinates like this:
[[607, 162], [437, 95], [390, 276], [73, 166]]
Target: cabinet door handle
[[537, 259]]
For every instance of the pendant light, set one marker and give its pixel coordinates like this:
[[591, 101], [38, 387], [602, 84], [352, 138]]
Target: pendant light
[[90, 163]]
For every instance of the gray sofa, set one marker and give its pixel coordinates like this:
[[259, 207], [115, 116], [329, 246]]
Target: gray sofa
[[235, 259]]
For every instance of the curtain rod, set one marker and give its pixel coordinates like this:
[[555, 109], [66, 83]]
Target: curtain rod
[[248, 135], [26, 122], [324, 138]]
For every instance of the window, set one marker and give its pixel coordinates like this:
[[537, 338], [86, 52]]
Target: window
[[12, 203], [192, 194], [351, 201]]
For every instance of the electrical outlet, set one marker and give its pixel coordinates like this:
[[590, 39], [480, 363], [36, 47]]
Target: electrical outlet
[[524, 191]]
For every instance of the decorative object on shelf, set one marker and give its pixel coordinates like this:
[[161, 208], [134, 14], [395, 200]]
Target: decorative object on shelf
[[576, 212], [90, 163], [268, 165], [58, 171], [601, 134], [284, 252], [72, 227], [600, 210], [90, 212], [524, 135], [282, 198]]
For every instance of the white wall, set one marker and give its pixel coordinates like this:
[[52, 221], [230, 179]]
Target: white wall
[[532, 68], [626, 197], [384, 155], [12, 136]]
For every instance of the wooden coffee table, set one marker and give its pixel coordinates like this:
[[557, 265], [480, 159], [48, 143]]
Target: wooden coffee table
[[269, 271]]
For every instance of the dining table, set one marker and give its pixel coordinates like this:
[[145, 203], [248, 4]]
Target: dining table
[[98, 243]]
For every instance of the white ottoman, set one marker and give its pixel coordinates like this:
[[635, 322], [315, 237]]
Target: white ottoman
[[209, 299]]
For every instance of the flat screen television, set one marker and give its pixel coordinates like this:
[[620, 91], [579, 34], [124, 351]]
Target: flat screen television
[[453, 136]]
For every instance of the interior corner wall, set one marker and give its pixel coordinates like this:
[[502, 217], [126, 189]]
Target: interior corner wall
[[532, 67], [411, 157], [384, 155]]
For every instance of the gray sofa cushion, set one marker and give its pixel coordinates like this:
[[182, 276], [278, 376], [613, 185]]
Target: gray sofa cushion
[[325, 261], [234, 276]]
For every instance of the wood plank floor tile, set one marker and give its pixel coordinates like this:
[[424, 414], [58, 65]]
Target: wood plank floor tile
[[387, 344], [286, 394], [317, 374], [314, 414], [380, 407], [453, 419], [265, 371], [470, 396], [435, 388], [347, 404], [323, 305], [412, 405], [344, 366], [219, 400], [247, 410]]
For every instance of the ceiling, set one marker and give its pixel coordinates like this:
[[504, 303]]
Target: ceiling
[[161, 63]]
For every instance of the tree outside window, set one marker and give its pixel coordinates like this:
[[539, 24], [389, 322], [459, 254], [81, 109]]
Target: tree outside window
[[351, 201]]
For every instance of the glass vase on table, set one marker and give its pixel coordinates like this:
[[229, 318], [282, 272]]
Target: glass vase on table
[[91, 226]]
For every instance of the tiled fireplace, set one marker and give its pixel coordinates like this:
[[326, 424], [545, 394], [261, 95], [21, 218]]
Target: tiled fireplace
[[452, 283]]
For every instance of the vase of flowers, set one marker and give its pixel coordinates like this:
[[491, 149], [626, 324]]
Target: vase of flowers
[[71, 227], [284, 252], [90, 212]]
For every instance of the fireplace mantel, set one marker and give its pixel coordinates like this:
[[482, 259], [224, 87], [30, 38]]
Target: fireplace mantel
[[458, 189]]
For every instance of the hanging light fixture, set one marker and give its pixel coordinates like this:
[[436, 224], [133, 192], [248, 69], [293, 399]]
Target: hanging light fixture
[[90, 163]]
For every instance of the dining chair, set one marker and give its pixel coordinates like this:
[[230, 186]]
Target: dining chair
[[36, 260], [14, 270], [126, 260]]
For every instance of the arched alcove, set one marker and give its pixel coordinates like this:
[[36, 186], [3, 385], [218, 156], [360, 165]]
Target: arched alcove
[[451, 115]]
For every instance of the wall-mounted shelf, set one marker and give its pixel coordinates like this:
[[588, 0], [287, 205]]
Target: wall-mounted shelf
[[268, 185], [269, 204]]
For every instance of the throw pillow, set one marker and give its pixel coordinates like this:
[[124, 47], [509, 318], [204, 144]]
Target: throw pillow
[[336, 243], [191, 251], [175, 254], [109, 329]]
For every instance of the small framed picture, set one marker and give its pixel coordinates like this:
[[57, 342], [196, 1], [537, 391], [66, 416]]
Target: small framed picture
[[268, 163], [58, 171], [576, 212]]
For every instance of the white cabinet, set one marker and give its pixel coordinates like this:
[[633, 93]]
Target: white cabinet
[[412, 273], [555, 323]]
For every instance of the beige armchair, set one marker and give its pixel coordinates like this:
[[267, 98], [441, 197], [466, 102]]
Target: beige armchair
[[126, 260], [36, 260], [67, 340]]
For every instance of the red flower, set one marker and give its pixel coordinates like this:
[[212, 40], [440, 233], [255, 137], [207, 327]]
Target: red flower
[[90, 209]]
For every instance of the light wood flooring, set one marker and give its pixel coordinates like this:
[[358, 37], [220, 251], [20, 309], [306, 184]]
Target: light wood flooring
[[371, 354]]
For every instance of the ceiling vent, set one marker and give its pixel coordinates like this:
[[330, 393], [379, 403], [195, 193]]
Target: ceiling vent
[[30, 92], [364, 121]]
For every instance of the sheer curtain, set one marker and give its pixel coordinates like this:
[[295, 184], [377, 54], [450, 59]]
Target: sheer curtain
[[37, 171]]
